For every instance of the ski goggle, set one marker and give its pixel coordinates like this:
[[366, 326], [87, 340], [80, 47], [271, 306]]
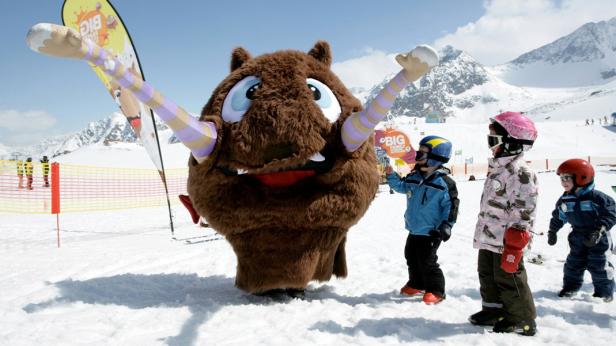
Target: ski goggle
[[494, 141], [420, 155], [566, 177]]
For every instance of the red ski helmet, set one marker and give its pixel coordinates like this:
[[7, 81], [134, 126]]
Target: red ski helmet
[[582, 171]]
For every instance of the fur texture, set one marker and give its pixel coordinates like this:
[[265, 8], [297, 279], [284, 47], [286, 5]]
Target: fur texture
[[283, 237]]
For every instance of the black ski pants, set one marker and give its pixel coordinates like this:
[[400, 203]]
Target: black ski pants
[[424, 271]]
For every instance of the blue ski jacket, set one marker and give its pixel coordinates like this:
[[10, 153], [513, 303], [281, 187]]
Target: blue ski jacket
[[586, 210], [430, 200]]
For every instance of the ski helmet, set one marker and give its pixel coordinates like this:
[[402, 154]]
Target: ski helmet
[[440, 150], [582, 171], [518, 132]]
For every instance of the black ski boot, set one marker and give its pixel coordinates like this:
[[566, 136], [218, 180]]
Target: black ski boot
[[567, 293], [486, 317], [527, 328], [605, 298]]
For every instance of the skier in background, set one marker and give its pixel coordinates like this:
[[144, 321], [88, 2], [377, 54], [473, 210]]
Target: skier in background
[[591, 214], [20, 173], [29, 170], [45, 168]]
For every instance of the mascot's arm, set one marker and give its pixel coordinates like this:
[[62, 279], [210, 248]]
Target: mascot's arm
[[359, 126], [60, 41]]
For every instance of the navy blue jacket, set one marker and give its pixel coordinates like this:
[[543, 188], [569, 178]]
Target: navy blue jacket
[[430, 200], [586, 210]]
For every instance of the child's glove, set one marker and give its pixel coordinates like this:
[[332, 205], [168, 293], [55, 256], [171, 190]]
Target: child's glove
[[594, 237], [389, 169], [515, 241], [551, 237], [443, 232]]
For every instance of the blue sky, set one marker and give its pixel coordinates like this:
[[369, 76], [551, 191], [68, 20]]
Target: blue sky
[[184, 46]]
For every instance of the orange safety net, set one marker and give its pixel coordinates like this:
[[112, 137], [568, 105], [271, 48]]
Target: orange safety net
[[78, 188]]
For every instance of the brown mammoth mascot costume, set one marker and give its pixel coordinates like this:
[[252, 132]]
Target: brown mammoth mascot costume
[[282, 160], [285, 210]]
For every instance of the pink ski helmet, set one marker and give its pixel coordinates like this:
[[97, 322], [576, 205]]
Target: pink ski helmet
[[518, 126]]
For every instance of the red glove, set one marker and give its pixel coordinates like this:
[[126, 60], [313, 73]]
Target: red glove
[[515, 241]]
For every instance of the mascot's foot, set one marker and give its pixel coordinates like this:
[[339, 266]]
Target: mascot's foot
[[296, 293], [282, 294]]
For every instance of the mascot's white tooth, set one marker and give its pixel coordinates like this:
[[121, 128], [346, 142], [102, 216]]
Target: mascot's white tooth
[[241, 171], [317, 157]]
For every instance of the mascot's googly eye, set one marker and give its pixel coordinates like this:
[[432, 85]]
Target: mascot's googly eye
[[239, 99], [325, 99]]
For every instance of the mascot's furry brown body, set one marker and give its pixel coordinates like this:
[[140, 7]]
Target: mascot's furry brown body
[[282, 162], [284, 234]]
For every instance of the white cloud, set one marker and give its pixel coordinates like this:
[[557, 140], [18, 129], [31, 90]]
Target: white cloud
[[510, 28], [16, 121], [24, 128], [367, 70], [507, 29]]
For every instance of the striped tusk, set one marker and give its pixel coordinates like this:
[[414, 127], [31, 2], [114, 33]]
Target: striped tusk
[[358, 127]]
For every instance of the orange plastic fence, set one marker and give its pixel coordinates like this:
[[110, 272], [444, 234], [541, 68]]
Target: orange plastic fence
[[78, 188]]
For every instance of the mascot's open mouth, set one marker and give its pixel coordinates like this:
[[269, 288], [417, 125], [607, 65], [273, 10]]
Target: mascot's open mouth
[[317, 164]]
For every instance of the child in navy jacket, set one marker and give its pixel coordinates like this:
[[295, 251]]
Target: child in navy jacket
[[591, 214]]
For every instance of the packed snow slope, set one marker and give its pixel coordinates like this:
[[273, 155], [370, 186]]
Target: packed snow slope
[[119, 279]]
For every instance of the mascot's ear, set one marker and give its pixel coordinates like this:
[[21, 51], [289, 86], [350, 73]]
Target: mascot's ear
[[239, 57], [321, 52]]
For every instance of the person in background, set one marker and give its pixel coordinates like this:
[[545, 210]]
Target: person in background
[[591, 214], [29, 170], [431, 211], [20, 173], [504, 227], [45, 168]]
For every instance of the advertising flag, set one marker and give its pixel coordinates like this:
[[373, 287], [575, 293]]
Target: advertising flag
[[98, 21]]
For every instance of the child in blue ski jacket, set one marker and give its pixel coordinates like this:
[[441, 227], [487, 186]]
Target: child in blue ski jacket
[[591, 214], [432, 209]]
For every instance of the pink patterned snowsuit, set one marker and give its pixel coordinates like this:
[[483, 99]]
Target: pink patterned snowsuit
[[509, 200]]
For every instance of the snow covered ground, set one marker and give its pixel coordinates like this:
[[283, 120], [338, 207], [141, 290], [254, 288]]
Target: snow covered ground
[[119, 279]]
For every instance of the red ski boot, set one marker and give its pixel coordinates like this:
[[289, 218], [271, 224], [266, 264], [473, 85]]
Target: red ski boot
[[410, 291], [431, 298]]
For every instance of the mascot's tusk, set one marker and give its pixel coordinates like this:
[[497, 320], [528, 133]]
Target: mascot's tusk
[[359, 126], [61, 41]]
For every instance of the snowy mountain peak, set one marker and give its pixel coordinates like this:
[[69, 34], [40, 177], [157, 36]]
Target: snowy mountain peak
[[449, 53], [585, 57], [590, 42], [436, 92]]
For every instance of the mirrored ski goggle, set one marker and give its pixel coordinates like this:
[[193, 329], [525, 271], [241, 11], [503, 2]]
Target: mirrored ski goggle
[[566, 177], [494, 141]]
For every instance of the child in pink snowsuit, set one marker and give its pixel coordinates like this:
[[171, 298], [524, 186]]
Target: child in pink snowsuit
[[504, 228]]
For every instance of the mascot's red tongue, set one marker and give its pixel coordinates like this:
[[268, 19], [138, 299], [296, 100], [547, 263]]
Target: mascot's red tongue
[[283, 179]]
